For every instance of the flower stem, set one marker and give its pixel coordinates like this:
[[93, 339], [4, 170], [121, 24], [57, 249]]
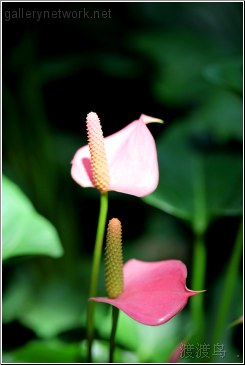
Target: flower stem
[[228, 288], [198, 274], [199, 225], [115, 314], [95, 270]]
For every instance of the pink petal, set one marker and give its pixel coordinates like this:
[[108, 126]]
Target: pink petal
[[132, 159], [154, 292], [177, 354], [81, 168]]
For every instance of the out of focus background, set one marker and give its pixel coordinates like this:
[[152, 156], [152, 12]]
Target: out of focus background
[[181, 62]]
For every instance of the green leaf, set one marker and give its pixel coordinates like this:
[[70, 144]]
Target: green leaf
[[222, 115], [101, 353], [19, 293], [48, 306], [52, 351], [25, 232], [116, 65], [161, 230], [178, 59], [150, 344], [55, 308], [59, 68], [196, 183], [227, 74]]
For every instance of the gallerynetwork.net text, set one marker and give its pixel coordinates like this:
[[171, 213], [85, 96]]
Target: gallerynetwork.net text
[[38, 15]]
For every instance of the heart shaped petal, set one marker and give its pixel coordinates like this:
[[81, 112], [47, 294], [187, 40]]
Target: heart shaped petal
[[132, 159], [154, 292]]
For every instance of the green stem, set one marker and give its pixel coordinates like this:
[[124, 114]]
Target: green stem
[[115, 314], [95, 270], [228, 289], [198, 274], [200, 223]]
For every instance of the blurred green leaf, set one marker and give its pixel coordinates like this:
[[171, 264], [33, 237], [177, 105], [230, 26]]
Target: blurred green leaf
[[53, 69], [160, 340], [196, 184], [227, 74], [67, 144], [179, 59], [56, 307], [101, 353], [25, 232], [222, 115], [47, 305], [163, 239], [153, 344], [214, 295], [118, 65], [19, 293], [52, 351]]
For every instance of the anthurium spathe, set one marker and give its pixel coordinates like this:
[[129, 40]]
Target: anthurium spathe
[[131, 159], [154, 292]]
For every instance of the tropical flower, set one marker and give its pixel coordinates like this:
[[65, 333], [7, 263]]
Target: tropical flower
[[149, 292], [154, 292], [125, 162]]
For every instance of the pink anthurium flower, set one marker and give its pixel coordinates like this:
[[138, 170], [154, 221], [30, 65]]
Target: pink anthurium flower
[[131, 157], [154, 292]]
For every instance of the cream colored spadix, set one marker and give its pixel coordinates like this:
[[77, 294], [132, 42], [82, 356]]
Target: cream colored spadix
[[96, 145], [114, 259]]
